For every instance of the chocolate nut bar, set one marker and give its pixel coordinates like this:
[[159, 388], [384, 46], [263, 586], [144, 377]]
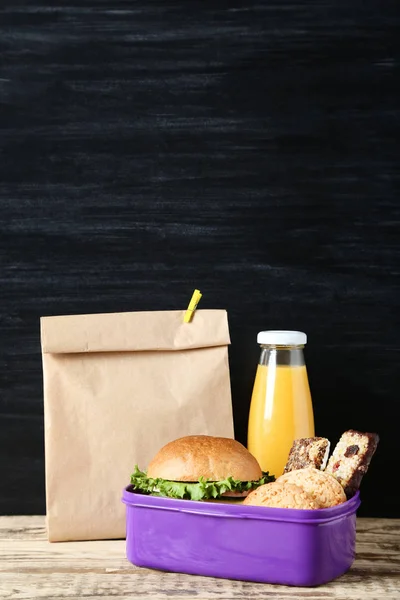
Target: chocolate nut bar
[[308, 452]]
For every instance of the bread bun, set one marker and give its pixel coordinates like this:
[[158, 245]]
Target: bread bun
[[214, 458]]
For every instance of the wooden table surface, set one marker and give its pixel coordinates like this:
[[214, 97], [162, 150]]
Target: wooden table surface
[[31, 567]]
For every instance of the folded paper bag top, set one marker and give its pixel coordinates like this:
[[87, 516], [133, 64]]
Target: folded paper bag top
[[118, 386], [134, 331]]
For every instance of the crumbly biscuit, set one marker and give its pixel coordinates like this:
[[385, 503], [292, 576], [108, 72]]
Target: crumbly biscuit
[[322, 486], [279, 495], [308, 452], [351, 458]]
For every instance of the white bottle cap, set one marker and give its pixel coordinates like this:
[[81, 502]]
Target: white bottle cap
[[282, 338]]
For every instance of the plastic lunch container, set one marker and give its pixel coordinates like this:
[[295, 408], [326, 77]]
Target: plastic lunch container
[[251, 543]]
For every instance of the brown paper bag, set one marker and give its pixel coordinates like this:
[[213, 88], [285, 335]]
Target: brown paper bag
[[117, 387]]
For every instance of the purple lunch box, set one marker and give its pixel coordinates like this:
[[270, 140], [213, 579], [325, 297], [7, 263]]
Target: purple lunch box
[[251, 543]]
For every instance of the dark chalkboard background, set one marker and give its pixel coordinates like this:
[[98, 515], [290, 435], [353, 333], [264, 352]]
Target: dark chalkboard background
[[246, 149]]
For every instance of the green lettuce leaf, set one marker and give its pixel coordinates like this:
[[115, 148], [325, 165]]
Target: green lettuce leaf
[[204, 489]]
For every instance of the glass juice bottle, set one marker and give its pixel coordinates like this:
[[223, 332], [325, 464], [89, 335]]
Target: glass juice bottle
[[281, 406]]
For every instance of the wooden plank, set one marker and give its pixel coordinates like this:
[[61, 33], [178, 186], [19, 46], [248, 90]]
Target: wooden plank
[[23, 527], [143, 584], [31, 567]]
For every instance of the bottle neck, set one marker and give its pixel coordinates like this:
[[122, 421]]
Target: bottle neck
[[290, 356]]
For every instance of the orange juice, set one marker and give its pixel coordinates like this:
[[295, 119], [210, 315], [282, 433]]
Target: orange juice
[[281, 408]]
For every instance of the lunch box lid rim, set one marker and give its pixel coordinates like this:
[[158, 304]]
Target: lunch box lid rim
[[287, 515]]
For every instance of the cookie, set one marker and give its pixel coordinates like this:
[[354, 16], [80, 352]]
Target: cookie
[[322, 486], [278, 495]]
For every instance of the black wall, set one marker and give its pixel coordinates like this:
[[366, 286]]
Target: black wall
[[246, 149]]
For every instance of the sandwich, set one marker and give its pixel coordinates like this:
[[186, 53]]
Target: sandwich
[[201, 467]]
